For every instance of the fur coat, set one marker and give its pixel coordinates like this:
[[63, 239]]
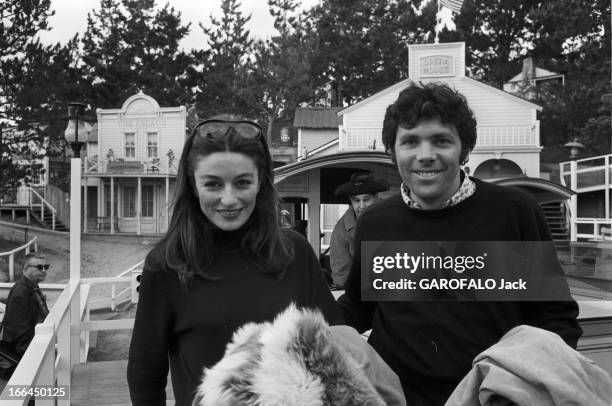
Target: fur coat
[[299, 360]]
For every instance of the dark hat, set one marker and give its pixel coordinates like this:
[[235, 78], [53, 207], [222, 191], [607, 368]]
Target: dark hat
[[360, 183]]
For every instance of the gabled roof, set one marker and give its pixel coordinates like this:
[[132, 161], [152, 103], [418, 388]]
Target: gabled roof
[[399, 85], [406, 82], [316, 117], [539, 74], [507, 95]]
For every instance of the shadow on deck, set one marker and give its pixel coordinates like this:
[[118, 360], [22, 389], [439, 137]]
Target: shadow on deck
[[104, 384]]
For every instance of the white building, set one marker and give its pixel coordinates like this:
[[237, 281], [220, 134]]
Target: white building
[[508, 141], [130, 169]]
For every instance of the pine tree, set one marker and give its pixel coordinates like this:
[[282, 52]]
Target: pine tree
[[281, 69], [221, 83], [21, 58], [129, 46]]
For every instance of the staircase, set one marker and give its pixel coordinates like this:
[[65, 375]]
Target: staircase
[[47, 221], [556, 218]]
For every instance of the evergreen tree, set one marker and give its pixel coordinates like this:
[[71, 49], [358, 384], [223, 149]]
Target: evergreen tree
[[129, 46], [21, 59], [281, 70], [221, 82], [362, 45]]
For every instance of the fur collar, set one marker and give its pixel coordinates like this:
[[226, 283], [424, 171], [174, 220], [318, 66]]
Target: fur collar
[[293, 361]]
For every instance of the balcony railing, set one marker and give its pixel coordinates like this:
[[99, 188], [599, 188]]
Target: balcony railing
[[508, 136], [106, 165], [591, 173], [488, 136]]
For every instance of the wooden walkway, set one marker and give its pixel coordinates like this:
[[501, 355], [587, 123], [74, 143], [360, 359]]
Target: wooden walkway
[[104, 384]]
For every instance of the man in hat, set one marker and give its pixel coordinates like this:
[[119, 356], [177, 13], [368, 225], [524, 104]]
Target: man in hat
[[429, 131], [362, 190]]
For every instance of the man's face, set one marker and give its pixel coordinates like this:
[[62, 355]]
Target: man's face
[[360, 202], [427, 158], [33, 272]]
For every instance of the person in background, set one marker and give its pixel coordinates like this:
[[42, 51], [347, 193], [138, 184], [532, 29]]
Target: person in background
[[225, 261], [26, 306], [361, 190], [429, 131]]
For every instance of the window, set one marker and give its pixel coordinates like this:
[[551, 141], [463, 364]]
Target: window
[[152, 145], [147, 200], [129, 201], [130, 145]]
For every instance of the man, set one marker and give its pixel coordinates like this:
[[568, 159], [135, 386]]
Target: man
[[362, 190], [26, 306], [429, 132]]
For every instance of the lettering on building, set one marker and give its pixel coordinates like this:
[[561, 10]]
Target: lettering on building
[[142, 122], [437, 65]]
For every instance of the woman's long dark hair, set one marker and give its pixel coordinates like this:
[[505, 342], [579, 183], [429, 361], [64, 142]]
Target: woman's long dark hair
[[188, 249]]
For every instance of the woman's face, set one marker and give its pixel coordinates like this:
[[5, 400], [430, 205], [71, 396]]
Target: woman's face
[[227, 184]]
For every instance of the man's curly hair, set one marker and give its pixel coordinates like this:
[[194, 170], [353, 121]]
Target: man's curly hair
[[418, 103]]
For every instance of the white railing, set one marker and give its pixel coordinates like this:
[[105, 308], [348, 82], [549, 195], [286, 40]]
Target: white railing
[[117, 298], [596, 227], [589, 173], [54, 350], [162, 165], [91, 164], [61, 342], [11, 255], [360, 139], [44, 203], [488, 136], [510, 136]]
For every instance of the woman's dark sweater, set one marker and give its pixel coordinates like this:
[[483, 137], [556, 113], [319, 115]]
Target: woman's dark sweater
[[431, 345], [189, 330]]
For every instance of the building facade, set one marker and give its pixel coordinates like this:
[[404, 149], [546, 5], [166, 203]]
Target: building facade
[[508, 141], [130, 169]]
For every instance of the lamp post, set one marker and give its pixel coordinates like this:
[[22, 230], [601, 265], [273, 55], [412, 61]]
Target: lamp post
[[574, 148], [74, 127]]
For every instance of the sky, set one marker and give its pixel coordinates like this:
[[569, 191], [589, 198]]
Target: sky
[[71, 17]]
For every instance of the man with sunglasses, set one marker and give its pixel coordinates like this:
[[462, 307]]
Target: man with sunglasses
[[26, 306]]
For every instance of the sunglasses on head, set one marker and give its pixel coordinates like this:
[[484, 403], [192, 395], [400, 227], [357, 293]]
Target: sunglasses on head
[[40, 267], [216, 129]]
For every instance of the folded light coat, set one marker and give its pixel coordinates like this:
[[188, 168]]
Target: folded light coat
[[531, 366], [298, 360]]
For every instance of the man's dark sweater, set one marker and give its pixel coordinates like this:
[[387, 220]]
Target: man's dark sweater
[[431, 345], [191, 329]]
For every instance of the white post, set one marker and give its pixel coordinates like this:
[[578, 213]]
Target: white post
[[607, 189], [138, 206], [573, 201], [11, 267], [85, 208], [167, 202], [75, 258], [75, 218], [112, 205]]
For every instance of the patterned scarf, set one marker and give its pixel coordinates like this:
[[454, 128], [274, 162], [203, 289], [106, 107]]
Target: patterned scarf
[[467, 189]]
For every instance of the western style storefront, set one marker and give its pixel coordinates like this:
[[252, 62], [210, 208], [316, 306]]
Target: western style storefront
[[128, 203]]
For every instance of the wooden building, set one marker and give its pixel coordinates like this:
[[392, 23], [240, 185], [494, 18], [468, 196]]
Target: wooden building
[[508, 129], [130, 169]]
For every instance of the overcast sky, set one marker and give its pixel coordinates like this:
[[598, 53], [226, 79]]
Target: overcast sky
[[71, 17]]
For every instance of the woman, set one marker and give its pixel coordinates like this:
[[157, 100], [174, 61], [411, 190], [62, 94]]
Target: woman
[[223, 262]]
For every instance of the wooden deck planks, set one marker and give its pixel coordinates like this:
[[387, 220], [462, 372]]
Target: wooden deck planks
[[104, 384]]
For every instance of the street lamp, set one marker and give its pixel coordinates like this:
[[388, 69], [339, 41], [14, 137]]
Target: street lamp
[[574, 148], [75, 126]]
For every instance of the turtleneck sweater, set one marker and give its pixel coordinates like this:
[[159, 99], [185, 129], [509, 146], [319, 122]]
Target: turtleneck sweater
[[188, 330]]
